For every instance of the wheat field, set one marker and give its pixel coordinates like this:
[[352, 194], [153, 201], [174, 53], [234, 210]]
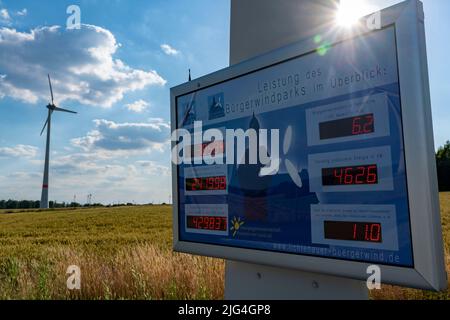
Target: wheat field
[[123, 253]]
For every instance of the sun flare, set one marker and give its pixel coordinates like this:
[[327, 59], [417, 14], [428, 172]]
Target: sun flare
[[350, 11]]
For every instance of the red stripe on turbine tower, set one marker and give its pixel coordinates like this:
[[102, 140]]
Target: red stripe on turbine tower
[[45, 186]]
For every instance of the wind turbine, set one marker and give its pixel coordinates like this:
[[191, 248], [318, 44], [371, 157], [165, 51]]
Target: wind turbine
[[51, 107]]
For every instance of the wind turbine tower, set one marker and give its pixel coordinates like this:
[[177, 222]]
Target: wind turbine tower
[[45, 184]]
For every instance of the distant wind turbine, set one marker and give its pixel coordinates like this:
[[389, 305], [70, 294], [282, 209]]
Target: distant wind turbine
[[51, 107]]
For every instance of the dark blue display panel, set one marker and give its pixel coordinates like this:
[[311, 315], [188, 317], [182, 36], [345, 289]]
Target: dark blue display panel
[[341, 189]]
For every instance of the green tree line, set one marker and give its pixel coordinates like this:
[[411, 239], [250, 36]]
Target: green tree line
[[443, 167], [35, 204]]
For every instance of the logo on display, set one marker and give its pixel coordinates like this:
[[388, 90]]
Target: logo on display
[[236, 225], [215, 106]]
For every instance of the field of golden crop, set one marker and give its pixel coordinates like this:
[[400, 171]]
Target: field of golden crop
[[123, 253]]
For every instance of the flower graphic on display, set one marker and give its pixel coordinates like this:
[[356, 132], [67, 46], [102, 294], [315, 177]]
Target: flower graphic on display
[[236, 224]]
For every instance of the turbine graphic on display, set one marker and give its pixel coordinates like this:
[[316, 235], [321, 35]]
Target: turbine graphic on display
[[189, 115], [291, 168], [51, 107]]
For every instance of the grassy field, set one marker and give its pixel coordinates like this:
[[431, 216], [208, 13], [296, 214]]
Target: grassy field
[[123, 253]]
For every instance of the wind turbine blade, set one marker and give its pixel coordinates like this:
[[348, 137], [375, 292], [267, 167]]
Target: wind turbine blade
[[51, 89], [63, 110], [45, 125], [188, 110]]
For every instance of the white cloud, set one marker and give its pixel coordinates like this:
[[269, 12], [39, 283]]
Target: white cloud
[[25, 175], [112, 136], [109, 176], [22, 12], [4, 14], [81, 64], [170, 51], [80, 163], [5, 18], [153, 168], [94, 164], [109, 180], [138, 106], [19, 151]]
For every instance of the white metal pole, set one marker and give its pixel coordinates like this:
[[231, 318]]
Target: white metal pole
[[44, 195], [259, 26]]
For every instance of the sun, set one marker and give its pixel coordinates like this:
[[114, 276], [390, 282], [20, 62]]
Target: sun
[[350, 11]]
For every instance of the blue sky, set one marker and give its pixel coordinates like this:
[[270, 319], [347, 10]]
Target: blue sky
[[116, 147]]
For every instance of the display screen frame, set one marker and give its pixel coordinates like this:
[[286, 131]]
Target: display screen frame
[[429, 268]]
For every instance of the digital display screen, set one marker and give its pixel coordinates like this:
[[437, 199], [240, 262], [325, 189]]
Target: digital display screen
[[206, 183], [352, 175], [353, 231], [207, 223], [335, 154], [353, 126]]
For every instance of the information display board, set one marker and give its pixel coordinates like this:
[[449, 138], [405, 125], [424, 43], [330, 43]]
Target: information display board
[[341, 197]]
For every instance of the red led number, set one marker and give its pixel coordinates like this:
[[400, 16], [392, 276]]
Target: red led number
[[197, 184], [372, 232], [353, 231], [207, 223], [362, 125], [372, 175], [204, 184], [375, 232], [358, 175], [348, 178]]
